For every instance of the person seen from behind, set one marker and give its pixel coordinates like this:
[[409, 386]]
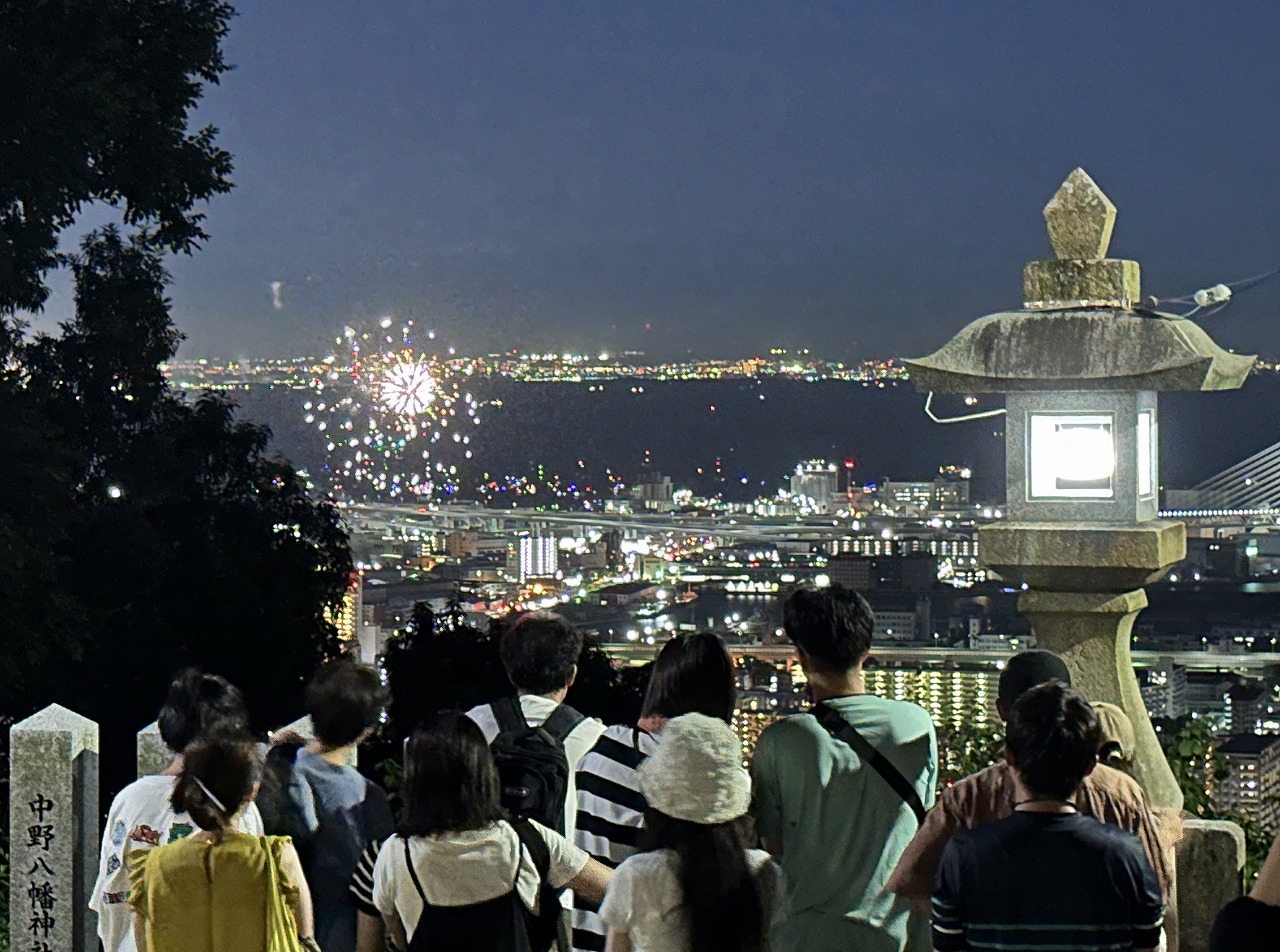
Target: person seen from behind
[[537, 739], [1107, 794], [220, 890], [694, 887], [313, 794], [459, 874], [142, 815], [838, 790], [1252, 921], [693, 673], [1050, 876]]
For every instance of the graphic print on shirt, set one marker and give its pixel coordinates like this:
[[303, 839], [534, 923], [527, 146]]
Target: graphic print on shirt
[[118, 833], [145, 834], [180, 831]]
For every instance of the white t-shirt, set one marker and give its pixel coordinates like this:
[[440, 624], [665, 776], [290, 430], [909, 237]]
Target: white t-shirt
[[645, 899], [580, 740], [462, 869], [140, 817]]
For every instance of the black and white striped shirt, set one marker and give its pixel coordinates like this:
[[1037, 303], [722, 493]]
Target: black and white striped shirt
[[610, 814]]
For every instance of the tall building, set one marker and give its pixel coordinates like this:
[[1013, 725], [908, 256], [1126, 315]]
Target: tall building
[[814, 485], [1164, 689], [1252, 784], [1246, 707], [532, 557], [654, 491]]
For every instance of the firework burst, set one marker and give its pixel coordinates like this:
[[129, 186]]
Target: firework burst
[[394, 412]]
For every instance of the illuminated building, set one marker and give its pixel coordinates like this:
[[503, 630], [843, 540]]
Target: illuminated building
[[346, 618], [952, 696], [532, 557], [1253, 777], [814, 484], [1164, 689]]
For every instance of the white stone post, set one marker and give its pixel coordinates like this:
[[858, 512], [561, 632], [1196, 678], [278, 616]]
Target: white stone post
[[153, 754], [53, 831]]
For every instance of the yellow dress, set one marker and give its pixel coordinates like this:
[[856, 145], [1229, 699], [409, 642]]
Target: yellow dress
[[199, 896]]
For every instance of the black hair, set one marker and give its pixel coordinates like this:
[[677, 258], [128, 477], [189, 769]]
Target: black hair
[[220, 769], [450, 782], [693, 673], [1053, 737], [833, 625], [200, 704], [721, 894], [1026, 670], [539, 652], [344, 699]]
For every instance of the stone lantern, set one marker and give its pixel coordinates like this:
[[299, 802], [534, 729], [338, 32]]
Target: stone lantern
[[1081, 364]]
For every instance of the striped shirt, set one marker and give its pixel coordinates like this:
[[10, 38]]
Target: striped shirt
[[610, 814], [361, 887], [1051, 881]]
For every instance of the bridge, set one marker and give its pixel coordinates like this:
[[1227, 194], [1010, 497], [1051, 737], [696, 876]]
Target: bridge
[[1246, 495], [719, 526]]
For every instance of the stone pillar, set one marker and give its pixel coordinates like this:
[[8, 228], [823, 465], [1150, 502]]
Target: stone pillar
[[53, 831], [1210, 874], [153, 753], [1092, 633], [1082, 599]]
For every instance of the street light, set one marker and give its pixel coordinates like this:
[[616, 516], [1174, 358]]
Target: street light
[[1080, 366]]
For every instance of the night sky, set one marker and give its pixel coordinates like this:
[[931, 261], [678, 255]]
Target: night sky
[[720, 177]]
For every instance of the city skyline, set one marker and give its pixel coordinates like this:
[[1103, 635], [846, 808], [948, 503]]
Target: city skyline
[[676, 181]]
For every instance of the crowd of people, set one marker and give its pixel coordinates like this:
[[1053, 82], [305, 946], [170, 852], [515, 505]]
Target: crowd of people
[[526, 826]]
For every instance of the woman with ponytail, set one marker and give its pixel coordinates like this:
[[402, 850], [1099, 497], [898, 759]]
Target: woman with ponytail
[[142, 815], [220, 890], [695, 887]]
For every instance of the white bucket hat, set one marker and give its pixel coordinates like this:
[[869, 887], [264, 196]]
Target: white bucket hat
[[696, 773]]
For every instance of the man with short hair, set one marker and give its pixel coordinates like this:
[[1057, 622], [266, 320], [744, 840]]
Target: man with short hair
[[1047, 877], [314, 794], [540, 653], [836, 790], [990, 795]]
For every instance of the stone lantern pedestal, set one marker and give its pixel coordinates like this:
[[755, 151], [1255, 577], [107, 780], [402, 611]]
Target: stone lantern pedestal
[[1083, 596]]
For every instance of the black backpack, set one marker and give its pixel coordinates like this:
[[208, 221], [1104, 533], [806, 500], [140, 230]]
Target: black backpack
[[533, 768]]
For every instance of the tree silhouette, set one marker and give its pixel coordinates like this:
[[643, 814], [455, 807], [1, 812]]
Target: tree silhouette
[[139, 532], [179, 540], [95, 98]]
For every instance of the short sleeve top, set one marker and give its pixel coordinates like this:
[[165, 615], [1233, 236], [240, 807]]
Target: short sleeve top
[[645, 899], [462, 869]]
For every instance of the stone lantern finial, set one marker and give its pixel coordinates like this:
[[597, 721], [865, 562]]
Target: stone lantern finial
[[1079, 218]]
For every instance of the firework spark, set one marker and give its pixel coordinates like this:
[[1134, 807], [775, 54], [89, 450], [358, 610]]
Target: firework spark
[[395, 414]]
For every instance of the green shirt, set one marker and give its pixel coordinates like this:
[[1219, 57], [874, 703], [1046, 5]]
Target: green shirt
[[840, 825]]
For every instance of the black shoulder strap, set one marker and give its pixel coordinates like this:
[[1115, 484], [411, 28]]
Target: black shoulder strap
[[509, 715], [841, 729], [532, 841], [413, 873], [561, 722]]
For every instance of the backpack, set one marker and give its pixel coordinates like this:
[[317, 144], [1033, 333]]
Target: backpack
[[284, 800], [533, 768]]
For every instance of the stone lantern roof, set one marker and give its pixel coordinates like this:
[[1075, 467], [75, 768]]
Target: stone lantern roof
[[1082, 326]]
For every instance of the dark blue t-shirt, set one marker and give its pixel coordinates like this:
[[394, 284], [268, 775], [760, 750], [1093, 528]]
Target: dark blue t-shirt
[[1046, 881]]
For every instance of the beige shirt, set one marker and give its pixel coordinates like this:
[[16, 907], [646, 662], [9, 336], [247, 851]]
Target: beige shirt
[[1107, 794]]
